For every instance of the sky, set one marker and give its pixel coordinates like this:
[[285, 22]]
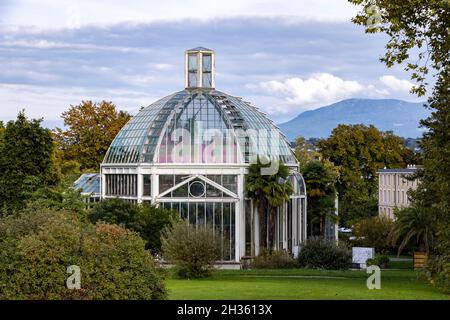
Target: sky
[[284, 56]]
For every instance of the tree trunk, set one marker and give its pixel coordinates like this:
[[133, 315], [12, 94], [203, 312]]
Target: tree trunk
[[272, 223], [262, 226]]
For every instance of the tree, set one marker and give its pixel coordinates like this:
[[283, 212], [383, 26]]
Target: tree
[[26, 162], [419, 38], [305, 151], [2, 131], [374, 232], [359, 151], [147, 220], [192, 250], [37, 247], [269, 192], [418, 32], [320, 179], [413, 224], [60, 197], [91, 129]]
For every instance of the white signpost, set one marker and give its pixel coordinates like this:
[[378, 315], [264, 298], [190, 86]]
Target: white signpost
[[361, 254]]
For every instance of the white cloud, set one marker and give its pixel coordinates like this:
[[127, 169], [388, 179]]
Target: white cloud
[[69, 13], [49, 103], [320, 88], [394, 84]]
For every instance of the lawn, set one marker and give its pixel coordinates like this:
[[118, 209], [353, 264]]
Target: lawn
[[302, 284]]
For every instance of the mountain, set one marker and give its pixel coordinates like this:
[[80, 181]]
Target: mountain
[[386, 114]]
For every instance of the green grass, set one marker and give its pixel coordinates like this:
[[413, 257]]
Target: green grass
[[302, 284]]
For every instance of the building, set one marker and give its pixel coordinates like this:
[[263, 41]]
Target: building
[[190, 151], [89, 186], [393, 189]]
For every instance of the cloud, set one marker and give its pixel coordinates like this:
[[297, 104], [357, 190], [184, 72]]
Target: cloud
[[320, 88], [69, 14], [394, 84], [311, 63], [39, 101]]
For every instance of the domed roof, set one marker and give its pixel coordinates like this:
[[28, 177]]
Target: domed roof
[[185, 127]]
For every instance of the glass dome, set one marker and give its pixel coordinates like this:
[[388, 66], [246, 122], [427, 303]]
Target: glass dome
[[199, 126]]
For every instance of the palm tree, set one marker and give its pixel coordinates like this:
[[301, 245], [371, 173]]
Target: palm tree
[[268, 192], [415, 222]]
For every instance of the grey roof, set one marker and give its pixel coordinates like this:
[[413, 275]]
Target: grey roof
[[400, 170], [88, 183], [200, 49]]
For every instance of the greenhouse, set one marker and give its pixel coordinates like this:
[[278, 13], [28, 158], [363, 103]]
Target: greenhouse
[[190, 151]]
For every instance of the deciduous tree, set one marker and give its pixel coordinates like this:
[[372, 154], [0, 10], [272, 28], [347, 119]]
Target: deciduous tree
[[359, 151], [91, 127]]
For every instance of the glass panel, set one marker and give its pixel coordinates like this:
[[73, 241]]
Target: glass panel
[[197, 189], [206, 61], [192, 62], [207, 80], [230, 182], [201, 219], [165, 182], [212, 191], [192, 80], [210, 214], [121, 185], [192, 213], [184, 210], [226, 237], [181, 192], [147, 191]]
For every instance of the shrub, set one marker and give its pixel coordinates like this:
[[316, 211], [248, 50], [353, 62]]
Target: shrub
[[374, 232], [192, 250], [273, 260], [147, 220], [380, 260], [437, 271], [321, 254], [37, 247]]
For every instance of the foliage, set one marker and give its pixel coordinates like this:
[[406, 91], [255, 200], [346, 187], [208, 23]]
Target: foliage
[[305, 151], [419, 38], [318, 253], [437, 271], [26, 154], [91, 129], [277, 259], [147, 220], [359, 151], [380, 260], [269, 192], [37, 247], [374, 232], [320, 179], [417, 31], [414, 223], [60, 197], [434, 189], [192, 250]]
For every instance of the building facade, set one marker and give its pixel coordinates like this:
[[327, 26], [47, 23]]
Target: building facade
[[190, 151], [393, 187]]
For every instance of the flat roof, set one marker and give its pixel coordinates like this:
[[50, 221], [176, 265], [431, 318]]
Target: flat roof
[[400, 170]]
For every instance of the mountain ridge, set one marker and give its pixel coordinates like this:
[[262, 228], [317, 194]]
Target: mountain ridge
[[401, 117]]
